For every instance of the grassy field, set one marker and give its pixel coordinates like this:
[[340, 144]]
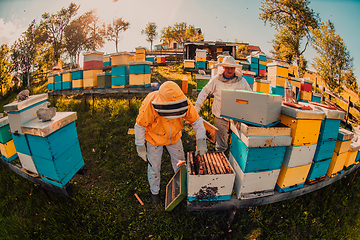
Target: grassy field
[[103, 205]]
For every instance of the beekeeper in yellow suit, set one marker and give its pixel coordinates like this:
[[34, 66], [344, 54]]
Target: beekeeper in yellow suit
[[229, 77], [159, 123]]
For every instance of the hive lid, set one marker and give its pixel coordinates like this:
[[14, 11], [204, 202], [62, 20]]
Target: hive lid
[[302, 114], [329, 113], [344, 134], [33, 99], [354, 146], [93, 53], [122, 53], [4, 121], [42, 129], [140, 63]]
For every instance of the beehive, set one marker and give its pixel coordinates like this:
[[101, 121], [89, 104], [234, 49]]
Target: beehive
[[51, 82], [77, 84], [337, 164], [351, 156], [121, 58], [106, 60], [201, 81], [8, 151], [139, 80], [5, 134], [189, 64], [67, 80], [316, 97], [210, 64], [160, 59], [261, 109], [140, 54], [296, 156], [90, 79], [276, 69], [305, 96], [58, 82], [292, 178], [210, 177], [55, 147], [262, 86], [150, 59], [318, 171], [77, 74], [93, 60], [103, 80], [249, 76], [296, 82]]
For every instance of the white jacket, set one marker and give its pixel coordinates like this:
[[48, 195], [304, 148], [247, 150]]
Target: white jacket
[[215, 85]]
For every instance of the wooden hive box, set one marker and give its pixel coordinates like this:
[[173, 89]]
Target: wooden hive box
[[306, 87], [209, 187], [21, 112], [77, 74], [8, 151], [324, 150], [120, 70], [189, 64], [276, 69], [5, 134], [249, 76], [150, 59], [352, 153], [139, 80], [139, 67], [342, 146], [77, 84], [66, 80], [253, 184], [276, 80], [344, 134], [295, 82], [200, 53], [90, 79], [201, 64], [58, 82], [261, 85], [253, 59], [296, 156], [93, 65], [121, 58], [120, 81], [305, 124], [201, 81], [210, 64], [160, 59], [93, 56], [306, 96], [292, 178], [51, 82], [316, 97], [103, 80], [256, 108], [258, 149], [318, 171], [140, 54], [55, 147], [337, 164]]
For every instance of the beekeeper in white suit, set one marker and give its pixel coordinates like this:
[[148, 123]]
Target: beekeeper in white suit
[[229, 76], [159, 123]]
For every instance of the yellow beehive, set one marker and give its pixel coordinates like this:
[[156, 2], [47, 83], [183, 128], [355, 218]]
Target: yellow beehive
[[220, 58], [295, 82], [8, 149], [139, 79], [219, 50], [303, 131], [277, 80], [291, 176], [90, 82], [91, 73], [342, 146], [211, 63], [51, 79], [140, 54], [121, 58], [350, 158], [276, 69], [304, 95], [262, 86], [201, 59], [294, 70], [140, 51], [66, 76], [337, 164], [77, 83], [262, 62], [189, 64], [106, 59]]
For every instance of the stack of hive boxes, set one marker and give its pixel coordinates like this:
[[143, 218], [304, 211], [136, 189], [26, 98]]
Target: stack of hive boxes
[[351, 156], [139, 74], [151, 59], [66, 80], [305, 128], [160, 59], [120, 69], [339, 156], [249, 77], [106, 61], [7, 147], [77, 79], [256, 154], [326, 143], [140, 54], [306, 91], [211, 64], [93, 64], [58, 82], [18, 114], [103, 80], [200, 58], [189, 64], [261, 85], [254, 64], [54, 147], [51, 82], [262, 65], [201, 81], [277, 74]]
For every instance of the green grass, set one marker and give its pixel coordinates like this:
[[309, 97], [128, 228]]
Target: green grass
[[103, 205]]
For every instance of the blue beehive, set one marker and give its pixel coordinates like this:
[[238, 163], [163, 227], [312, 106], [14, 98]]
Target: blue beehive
[[58, 82], [55, 148], [77, 74], [201, 64]]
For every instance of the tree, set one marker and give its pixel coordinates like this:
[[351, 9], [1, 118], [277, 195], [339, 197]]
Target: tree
[[114, 30], [94, 29], [150, 32], [350, 80], [180, 32], [55, 25], [5, 68], [292, 19], [75, 39], [333, 57]]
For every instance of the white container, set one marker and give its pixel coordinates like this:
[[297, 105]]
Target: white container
[[27, 162], [299, 155], [200, 53]]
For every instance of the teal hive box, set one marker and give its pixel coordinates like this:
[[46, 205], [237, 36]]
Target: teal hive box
[[5, 134], [55, 147]]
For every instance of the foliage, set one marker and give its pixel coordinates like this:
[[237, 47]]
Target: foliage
[[55, 25], [242, 50], [150, 32], [333, 57], [350, 81], [292, 20], [5, 68], [114, 30], [95, 31], [180, 32]]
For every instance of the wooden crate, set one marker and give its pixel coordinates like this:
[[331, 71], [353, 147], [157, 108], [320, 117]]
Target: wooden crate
[[209, 187], [139, 80], [299, 155], [292, 178], [55, 147], [21, 112], [276, 69], [260, 109], [5, 134], [121, 58], [253, 184], [277, 80], [337, 164], [8, 149]]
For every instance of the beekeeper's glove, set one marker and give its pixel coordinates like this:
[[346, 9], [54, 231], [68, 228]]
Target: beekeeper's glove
[[201, 147], [141, 150]]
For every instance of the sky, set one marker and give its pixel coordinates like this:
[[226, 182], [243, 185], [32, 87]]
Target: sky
[[228, 20]]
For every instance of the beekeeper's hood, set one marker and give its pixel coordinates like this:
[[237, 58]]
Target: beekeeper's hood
[[170, 102]]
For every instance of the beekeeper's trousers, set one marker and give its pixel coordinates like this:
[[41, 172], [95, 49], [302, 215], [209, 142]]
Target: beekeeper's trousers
[[176, 152], [222, 136]]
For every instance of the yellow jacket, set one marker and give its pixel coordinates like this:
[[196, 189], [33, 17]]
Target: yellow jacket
[[161, 131]]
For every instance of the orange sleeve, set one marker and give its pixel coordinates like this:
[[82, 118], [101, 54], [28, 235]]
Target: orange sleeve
[[147, 112], [191, 114]]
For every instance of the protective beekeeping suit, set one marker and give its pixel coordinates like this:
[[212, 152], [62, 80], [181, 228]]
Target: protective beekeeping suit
[[159, 123], [229, 76]]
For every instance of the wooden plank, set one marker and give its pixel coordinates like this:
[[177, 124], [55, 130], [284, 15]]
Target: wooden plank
[[276, 197], [101, 90]]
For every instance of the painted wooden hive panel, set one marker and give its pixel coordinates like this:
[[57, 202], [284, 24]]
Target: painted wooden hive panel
[[324, 150], [77, 74], [8, 149], [292, 177], [77, 84], [329, 129], [5, 134], [139, 80], [27, 162], [337, 164], [318, 169], [21, 143], [139, 69], [342, 146], [119, 70], [119, 81], [303, 131], [299, 155]]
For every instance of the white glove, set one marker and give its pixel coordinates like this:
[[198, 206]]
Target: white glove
[[201, 147], [198, 108], [141, 150]]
